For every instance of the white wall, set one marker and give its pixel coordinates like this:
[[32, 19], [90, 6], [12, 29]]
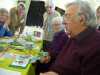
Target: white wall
[[62, 3], [8, 4]]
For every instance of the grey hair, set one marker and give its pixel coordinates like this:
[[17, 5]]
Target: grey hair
[[59, 20], [50, 3], [3, 10], [86, 10]]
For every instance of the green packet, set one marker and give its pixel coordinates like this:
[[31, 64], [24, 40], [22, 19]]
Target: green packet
[[21, 61], [43, 53], [19, 65]]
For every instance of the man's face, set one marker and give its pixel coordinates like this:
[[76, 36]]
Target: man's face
[[50, 9], [72, 19], [3, 17]]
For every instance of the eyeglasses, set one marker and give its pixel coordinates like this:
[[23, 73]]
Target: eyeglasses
[[70, 17]]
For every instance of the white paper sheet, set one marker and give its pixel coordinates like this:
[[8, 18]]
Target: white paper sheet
[[8, 72]]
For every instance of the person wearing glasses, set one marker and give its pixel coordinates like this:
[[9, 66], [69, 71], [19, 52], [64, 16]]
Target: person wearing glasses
[[59, 40], [81, 54]]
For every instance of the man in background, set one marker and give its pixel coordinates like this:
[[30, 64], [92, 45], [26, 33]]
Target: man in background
[[47, 25]]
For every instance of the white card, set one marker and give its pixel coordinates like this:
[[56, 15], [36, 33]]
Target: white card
[[8, 72]]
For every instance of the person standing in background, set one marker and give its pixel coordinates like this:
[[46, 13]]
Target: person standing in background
[[17, 18], [47, 25], [98, 17]]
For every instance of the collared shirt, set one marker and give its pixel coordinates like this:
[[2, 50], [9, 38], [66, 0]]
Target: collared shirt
[[80, 56]]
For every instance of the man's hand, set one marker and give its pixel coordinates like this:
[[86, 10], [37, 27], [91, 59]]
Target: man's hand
[[45, 59]]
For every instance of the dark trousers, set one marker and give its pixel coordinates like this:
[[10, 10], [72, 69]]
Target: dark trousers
[[40, 68]]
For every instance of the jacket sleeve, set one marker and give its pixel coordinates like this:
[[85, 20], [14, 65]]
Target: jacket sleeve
[[57, 44], [8, 33]]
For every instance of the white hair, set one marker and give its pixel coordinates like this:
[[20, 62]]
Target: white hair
[[59, 20], [50, 3], [86, 10]]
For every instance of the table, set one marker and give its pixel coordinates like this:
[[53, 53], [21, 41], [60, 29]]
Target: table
[[29, 70]]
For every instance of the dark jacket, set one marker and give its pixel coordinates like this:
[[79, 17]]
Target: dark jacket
[[59, 40], [81, 55], [4, 31]]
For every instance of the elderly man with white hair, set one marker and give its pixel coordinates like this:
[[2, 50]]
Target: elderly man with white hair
[[47, 25], [81, 54]]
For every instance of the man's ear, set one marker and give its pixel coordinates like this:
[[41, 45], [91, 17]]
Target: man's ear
[[82, 19]]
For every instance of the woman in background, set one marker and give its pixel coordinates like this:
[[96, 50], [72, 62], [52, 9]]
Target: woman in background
[[17, 16], [59, 40], [4, 22]]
